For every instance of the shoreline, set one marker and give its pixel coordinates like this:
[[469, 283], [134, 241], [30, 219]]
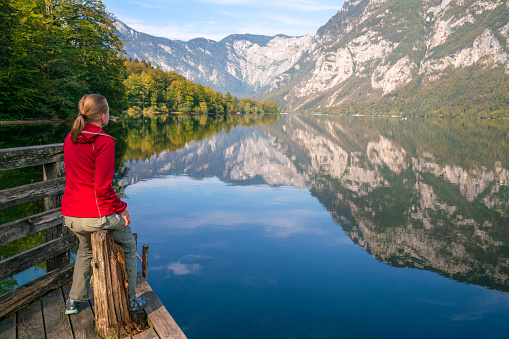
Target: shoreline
[[69, 120], [38, 121]]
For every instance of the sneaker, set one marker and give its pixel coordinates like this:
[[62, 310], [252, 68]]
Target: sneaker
[[138, 304], [71, 306]]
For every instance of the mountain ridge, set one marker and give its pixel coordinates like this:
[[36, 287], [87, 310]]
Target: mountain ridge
[[431, 57], [242, 64]]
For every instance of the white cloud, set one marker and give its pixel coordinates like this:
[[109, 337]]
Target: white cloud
[[145, 4], [182, 269], [292, 21], [278, 224], [295, 5], [176, 32], [216, 19]]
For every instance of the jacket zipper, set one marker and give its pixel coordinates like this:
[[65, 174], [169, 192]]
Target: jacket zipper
[[95, 192]]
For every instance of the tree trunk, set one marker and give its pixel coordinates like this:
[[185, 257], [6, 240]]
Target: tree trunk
[[111, 293]]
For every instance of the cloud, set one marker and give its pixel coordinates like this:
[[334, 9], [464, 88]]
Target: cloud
[[182, 269], [478, 308], [289, 5], [203, 29], [292, 21], [278, 224], [145, 4], [178, 268]]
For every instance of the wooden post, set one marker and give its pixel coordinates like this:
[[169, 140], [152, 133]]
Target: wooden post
[[111, 290], [135, 236], [144, 262], [52, 171]]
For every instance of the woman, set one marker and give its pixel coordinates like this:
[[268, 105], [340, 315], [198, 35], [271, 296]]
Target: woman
[[90, 203]]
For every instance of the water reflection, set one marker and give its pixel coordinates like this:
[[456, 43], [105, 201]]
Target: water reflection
[[137, 137], [426, 194]]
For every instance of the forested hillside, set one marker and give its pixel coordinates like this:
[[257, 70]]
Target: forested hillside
[[153, 89], [54, 52]]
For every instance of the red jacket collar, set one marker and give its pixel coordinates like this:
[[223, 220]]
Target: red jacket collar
[[85, 138]]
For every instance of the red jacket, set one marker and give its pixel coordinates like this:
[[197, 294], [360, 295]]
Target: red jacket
[[89, 169]]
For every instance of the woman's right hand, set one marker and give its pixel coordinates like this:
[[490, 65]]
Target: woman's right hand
[[126, 217]]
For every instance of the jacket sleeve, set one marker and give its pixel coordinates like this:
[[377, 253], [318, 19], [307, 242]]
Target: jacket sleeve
[[104, 170]]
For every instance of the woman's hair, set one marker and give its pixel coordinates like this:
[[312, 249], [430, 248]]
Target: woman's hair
[[91, 107]]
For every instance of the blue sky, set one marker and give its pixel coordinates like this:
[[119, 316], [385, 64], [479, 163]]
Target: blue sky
[[216, 19]]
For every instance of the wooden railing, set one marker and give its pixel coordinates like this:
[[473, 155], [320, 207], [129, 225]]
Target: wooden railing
[[58, 240]]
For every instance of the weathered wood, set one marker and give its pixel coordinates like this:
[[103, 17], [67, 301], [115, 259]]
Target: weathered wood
[[56, 322], [147, 334], [36, 255], [111, 293], [83, 322], [31, 192], [52, 171], [11, 158], [23, 227], [158, 316], [61, 259], [30, 324], [144, 262], [8, 327], [24, 294]]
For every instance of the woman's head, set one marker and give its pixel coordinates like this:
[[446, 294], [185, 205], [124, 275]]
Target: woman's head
[[93, 109]]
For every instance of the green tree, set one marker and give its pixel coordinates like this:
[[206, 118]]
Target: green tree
[[53, 52]]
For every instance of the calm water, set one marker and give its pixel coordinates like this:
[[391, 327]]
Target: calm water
[[322, 227]]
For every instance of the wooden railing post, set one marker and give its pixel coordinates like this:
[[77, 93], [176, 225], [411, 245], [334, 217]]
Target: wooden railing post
[[144, 262], [111, 290], [52, 171]]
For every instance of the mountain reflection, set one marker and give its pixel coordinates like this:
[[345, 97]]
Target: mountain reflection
[[428, 194]]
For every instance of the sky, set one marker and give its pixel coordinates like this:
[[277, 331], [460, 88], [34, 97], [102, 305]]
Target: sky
[[216, 19]]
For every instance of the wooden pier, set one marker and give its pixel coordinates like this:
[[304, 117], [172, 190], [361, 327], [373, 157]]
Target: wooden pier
[[45, 318], [36, 309]]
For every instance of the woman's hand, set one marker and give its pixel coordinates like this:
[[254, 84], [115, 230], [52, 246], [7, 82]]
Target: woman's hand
[[126, 217]]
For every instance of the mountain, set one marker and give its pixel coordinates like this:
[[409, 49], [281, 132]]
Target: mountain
[[405, 53], [438, 57], [242, 64]]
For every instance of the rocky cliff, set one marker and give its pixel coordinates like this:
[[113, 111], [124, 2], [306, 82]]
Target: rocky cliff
[[376, 48], [243, 65]]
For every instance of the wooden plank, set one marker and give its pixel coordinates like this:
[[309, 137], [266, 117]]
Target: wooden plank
[[147, 334], [36, 255], [19, 157], [158, 317], [8, 327], [30, 324], [23, 227], [31, 192], [56, 322], [23, 295], [83, 322]]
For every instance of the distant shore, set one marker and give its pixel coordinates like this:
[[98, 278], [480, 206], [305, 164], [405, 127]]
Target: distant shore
[[70, 120], [39, 121]]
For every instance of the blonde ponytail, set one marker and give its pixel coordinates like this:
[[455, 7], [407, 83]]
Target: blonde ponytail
[[91, 107]]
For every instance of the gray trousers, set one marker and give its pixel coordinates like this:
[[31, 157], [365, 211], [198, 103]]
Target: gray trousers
[[83, 228]]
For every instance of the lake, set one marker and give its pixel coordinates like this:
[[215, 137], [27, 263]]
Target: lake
[[316, 226]]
